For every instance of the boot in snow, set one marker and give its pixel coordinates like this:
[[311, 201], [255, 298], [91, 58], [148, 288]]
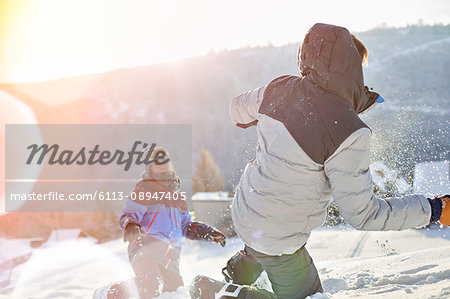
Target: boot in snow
[[204, 287]]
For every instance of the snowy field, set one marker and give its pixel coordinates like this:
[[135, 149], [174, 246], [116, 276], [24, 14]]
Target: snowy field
[[407, 264]]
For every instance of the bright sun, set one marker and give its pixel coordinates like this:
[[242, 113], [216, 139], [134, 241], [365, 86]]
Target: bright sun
[[48, 39]]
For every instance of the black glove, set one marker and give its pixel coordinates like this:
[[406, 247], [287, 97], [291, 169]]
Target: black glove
[[218, 237], [199, 230], [132, 232], [242, 268], [440, 209]]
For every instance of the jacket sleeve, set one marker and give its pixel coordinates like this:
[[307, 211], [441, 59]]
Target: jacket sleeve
[[244, 107], [185, 221], [352, 189], [132, 213]]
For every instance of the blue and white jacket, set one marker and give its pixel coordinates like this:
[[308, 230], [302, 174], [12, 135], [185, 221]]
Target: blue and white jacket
[[165, 218], [161, 221]]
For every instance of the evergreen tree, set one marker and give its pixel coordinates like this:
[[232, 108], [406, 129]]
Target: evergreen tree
[[334, 216], [207, 177]]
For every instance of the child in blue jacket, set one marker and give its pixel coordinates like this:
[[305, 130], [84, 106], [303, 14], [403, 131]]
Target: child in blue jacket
[[154, 227]]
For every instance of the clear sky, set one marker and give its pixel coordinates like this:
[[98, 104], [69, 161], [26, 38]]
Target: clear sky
[[49, 39]]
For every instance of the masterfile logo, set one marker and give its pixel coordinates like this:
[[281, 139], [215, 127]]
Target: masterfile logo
[[94, 156]]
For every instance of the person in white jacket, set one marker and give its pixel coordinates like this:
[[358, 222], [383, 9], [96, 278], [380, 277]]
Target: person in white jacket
[[312, 147]]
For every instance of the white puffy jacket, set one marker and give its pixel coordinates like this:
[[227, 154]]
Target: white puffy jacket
[[284, 193]]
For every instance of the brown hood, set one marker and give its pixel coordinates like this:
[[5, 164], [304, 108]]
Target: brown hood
[[328, 57]]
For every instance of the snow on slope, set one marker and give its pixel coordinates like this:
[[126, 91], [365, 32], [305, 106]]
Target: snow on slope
[[351, 263], [419, 274]]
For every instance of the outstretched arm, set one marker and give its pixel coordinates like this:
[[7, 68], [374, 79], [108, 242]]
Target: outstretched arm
[[202, 231], [244, 108], [352, 188]]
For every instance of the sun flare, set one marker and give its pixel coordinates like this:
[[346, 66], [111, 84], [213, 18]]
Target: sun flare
[[49, 39]]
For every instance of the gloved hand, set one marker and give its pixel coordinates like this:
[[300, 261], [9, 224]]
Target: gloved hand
[[132, 232], [218, 237], [445, 215], [440, 209], [202, 231]]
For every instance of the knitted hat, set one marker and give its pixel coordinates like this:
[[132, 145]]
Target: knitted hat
[[159, 153]]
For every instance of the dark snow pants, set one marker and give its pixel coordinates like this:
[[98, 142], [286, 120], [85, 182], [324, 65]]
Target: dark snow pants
[[291, 275], [151, 279], [155, 264]]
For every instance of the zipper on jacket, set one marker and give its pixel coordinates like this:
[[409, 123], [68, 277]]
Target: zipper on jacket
[[154, 217]]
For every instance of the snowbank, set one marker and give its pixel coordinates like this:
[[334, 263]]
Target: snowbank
[[415, 264], [419, 274]]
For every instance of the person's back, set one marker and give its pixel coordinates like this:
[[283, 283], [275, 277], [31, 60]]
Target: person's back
[[310, 141], [286, 182]]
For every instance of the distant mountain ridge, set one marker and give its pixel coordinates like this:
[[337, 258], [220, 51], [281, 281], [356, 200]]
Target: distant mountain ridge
[[409, 66]]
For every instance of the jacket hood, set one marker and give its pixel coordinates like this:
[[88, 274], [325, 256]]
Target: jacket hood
[[328, 57]]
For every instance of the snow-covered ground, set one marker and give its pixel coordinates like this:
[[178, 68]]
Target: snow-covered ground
[[407, 264]]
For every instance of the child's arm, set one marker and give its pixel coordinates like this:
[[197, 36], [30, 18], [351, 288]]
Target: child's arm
[[202, 231], [129, 221], [185, 221], [244, 108], [131, 214]]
